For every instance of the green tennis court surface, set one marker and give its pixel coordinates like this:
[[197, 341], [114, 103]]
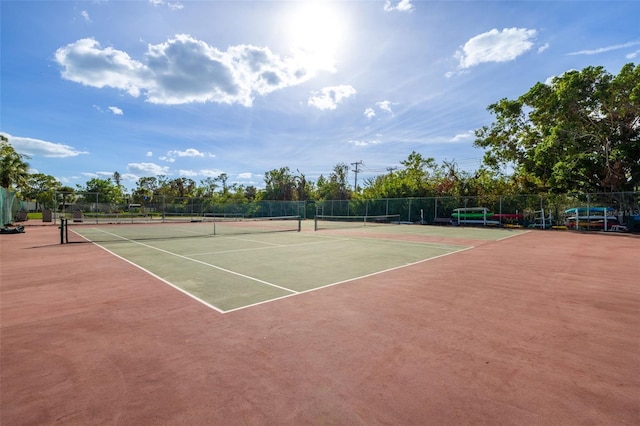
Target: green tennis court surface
[[461, 232], [229, 272]]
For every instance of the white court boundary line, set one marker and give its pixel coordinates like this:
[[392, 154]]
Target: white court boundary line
[[154, 275], [293, 292], [351, 279], [200, 262]]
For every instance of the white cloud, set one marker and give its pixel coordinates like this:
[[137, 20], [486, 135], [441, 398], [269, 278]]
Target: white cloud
[[203, 172], [246, 175], [365, 143], [543, 47], [382, 105], [495, 46], [149, 154], [187, 173], [189, 152], [369, 113], [401, 6], [129, 177], [461, 137], [116, 110], [85, 16], [186, 70], [385, 106], [330, 97], [147, 169], [109, 175], [86, 63], [170, 5], [211, 173], [632, 55], [37, 147], [605, 49], [113, 109]]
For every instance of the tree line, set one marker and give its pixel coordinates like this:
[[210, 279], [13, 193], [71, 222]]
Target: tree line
[[580, 133]]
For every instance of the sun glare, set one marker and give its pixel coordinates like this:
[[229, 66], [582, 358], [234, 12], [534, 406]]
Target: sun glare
[[316, 30]]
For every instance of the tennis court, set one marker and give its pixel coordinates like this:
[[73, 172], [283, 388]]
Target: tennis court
[[232, 264], [354, 325]]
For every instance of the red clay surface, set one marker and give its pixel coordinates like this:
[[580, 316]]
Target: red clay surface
[[543, 328]]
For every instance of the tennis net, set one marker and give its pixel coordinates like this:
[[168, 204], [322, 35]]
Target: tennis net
[[345, 222], [164, 230]]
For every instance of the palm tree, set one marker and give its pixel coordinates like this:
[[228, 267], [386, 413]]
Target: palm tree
[[13, 169]]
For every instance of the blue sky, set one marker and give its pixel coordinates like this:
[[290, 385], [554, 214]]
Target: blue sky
[[198, 88]]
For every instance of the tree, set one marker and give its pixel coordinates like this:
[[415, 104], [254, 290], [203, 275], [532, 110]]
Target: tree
[[336, 187], [279, 184], [146, 187], [101, 191], [449, 180], [222, 178], [117, 178], [580, 133], [303, 188], [65, 195], [41, 188], [207, 187], [182, 187], [250, 193], [14, 170], [418, 178], [414, 177]]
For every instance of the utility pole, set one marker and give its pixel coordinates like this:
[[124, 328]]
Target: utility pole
[[356, 164]]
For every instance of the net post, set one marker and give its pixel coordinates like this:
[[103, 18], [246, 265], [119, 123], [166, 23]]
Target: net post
[[299, 223], [63, 226]]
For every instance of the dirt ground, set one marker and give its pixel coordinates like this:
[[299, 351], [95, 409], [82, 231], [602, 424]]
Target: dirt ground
[[539, 329]]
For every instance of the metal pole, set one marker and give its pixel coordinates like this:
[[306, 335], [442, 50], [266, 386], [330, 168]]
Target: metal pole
[[63, 228]]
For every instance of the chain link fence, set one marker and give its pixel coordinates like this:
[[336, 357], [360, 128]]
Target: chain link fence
[[88, 207], [523, 210], [8, 206]]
